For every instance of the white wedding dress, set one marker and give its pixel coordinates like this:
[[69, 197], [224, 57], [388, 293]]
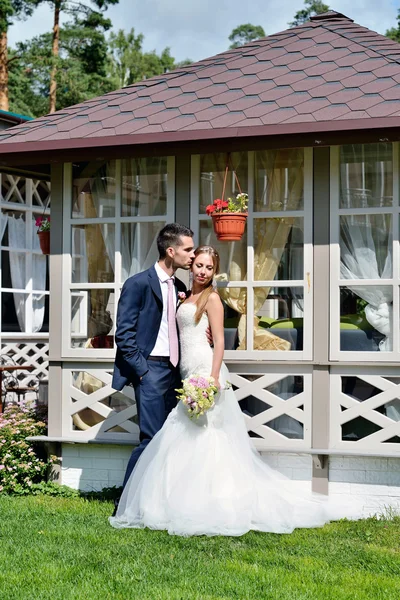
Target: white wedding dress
[[203, 477]]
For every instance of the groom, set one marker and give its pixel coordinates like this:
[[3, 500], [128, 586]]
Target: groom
[[146, 335]]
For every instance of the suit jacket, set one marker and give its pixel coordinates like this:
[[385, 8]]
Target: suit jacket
[[138, 322]]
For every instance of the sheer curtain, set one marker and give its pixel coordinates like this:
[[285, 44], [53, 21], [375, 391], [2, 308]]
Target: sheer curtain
[[3, 225], [366, 181], [19, 277], [366, 253], [39, 265], [138, 251], [143, 194]]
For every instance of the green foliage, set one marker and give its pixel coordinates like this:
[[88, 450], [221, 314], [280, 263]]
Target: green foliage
[[20, 466], [243, 34], [128, 63], [394, 32], [81, 68], [11, 10], [48, 488], [63, 548], [312, 8]]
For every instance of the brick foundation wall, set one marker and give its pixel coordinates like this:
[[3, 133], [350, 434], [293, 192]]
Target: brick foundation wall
[[373, 481]]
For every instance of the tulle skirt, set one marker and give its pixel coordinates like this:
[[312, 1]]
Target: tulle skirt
[[203, 477]]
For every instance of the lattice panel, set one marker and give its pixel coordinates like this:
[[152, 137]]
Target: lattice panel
[[13, 188], [41, 193], [27, 352], [93, 409], [277, 408], [365, 409]]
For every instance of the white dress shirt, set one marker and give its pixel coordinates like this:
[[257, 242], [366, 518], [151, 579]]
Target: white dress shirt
[[161, 347]]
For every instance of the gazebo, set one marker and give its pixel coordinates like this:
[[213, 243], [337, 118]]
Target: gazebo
[[309, 121]]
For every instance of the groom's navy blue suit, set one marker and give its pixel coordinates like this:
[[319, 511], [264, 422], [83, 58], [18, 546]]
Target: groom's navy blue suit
[[138, 322]]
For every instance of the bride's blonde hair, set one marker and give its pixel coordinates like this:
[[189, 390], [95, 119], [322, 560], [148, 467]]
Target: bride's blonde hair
[[204, 296]]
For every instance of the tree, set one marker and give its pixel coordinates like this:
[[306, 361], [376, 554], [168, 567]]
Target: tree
[[128, 63], [9, 11], [244, 34], [394, 32], [313, 7], [89, 13], [81, 68]]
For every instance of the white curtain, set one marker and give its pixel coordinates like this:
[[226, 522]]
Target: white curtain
[[3, 225], [39, 263], [19, 278], [17, 239], [100, 195], [138, 252], [366, 253]]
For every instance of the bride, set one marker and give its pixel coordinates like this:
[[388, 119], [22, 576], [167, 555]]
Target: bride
[[203, 477]]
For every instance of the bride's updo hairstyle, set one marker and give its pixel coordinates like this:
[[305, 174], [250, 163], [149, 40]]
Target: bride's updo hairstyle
[[204, 296]]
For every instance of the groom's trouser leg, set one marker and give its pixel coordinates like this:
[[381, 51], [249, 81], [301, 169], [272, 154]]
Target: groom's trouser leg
[[155, 398]]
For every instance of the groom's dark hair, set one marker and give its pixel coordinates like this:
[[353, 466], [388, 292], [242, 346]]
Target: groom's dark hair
[[171, 235]]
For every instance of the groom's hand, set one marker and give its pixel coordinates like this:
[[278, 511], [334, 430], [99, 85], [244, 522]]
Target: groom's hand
[[209, 336]]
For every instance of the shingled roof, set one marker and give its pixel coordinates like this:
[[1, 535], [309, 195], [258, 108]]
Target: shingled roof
[[327, 74]]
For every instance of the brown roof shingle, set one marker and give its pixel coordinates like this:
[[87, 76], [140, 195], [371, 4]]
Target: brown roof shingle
[[328, 69]]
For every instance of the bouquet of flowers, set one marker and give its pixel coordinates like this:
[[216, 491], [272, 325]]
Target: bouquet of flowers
[[197, 394]]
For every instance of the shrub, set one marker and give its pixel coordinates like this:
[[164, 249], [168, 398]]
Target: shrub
[[20, 465]]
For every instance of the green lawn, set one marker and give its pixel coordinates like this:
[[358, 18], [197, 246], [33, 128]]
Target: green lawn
[[57, 548]]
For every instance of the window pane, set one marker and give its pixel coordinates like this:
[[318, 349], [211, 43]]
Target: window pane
[[233, 255], [235, 310], [93, 190], [144, 187], [366, 175], [366, 247], [138, 247], [279, 180], [366, 318], [93, 253], [212, 173], [13, 312], [92, 319], [279, 313], [13, 272], [278, 249]]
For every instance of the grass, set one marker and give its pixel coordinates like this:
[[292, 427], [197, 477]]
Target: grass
[[59, 548]]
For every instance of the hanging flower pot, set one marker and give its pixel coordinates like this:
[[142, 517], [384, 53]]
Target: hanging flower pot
[[229, 227], [44, 241], [229, 217], [43, 225]]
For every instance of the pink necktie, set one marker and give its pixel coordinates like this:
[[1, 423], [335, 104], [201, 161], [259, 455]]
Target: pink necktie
[[172, 332]]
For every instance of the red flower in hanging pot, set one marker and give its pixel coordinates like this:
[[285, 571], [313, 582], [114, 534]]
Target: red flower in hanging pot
[[210, 209]]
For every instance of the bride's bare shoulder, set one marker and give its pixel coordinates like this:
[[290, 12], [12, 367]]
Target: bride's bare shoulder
[[213, 300]]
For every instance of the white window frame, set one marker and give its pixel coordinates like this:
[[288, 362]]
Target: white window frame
[[336, 283], [117, 220], [26, 206], [250, 283]]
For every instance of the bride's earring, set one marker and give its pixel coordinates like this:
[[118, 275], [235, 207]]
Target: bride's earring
[[190, 280], [214, 285]]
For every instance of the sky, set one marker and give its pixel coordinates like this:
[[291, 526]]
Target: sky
[[197, 29]]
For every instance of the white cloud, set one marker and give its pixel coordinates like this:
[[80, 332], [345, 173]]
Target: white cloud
[[197, 30]]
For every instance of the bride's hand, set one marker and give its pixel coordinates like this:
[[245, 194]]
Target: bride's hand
[[216, 382]]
